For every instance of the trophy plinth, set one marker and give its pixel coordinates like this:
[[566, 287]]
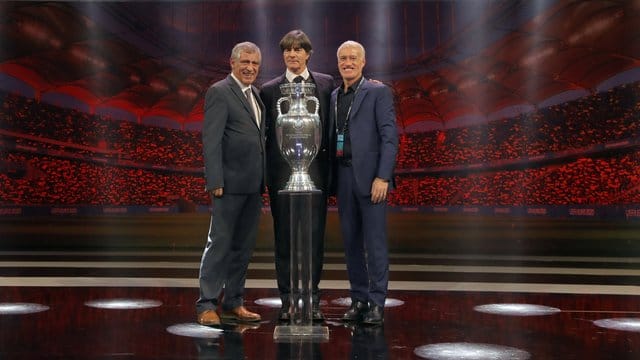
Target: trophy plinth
[[298, 206], [298, 133]]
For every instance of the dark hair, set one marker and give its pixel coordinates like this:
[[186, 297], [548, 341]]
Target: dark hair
[[294, 39]]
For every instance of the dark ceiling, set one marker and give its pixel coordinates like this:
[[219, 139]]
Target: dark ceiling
[[450, 62]]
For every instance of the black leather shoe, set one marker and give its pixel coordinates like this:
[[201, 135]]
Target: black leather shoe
[[317, 314], [284, 314], [375, 315], [356, 311]]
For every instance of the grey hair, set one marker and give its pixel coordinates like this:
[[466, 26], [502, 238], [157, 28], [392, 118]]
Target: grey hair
[[351, 43], [247, 47]]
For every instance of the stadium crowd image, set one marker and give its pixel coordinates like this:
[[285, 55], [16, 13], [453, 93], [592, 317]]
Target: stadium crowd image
[[513, 226]]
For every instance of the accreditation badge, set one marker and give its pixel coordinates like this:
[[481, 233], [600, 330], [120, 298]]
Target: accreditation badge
[[340, 146]]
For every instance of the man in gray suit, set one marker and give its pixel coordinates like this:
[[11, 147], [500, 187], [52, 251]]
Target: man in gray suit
[[233, 139]]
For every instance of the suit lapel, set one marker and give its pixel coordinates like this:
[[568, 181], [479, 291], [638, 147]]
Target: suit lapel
[[321, 110], [235, 89], [357, 101], [334, 103], [283, 80]]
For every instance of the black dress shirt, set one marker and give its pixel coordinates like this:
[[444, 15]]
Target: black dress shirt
[[345, 101]]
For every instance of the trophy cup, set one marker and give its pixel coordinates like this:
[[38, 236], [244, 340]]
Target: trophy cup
[[298, 133]]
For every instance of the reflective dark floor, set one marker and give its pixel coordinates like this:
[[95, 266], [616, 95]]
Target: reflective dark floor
[[439, 307]]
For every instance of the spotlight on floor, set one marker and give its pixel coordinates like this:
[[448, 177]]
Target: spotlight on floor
[[516, 309], [123, 304], [273, 302], [469, 351], [21, 308], [389, 302], [195, 331], [624, 324]]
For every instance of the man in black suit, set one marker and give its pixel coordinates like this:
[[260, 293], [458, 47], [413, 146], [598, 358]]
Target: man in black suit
[[296, 50], [233, 139]]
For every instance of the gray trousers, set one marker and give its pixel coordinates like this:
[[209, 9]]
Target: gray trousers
[[232, 238]]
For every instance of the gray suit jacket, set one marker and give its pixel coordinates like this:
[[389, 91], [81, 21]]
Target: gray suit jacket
[[233, 144]]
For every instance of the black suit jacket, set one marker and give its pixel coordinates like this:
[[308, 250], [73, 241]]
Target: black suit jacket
[[278, 170], [233, 144]]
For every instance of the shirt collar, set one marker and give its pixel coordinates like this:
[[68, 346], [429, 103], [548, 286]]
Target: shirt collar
[[243, 87], [290, 76], [353, 86]]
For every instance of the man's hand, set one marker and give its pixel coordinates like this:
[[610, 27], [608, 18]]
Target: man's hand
[[379, 190], [217, 192]]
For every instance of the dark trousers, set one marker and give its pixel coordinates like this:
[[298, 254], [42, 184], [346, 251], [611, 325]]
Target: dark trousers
[[364, 233]]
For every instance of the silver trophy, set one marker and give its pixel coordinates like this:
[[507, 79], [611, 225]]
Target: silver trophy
[[298, 133]]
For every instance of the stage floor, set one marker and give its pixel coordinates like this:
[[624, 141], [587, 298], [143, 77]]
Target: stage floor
[[140, 305]]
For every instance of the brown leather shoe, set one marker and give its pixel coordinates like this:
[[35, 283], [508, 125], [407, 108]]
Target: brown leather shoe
[[208, 318], [241, 314]]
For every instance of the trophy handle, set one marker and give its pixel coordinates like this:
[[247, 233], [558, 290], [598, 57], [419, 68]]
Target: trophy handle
[[279, 102], [315, 100]]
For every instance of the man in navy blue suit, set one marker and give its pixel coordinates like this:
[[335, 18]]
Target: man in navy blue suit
[[366, 144]]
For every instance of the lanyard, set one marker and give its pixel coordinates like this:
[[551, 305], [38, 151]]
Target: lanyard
[[346, 120]]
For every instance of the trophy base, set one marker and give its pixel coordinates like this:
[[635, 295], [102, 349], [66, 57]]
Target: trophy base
[[300, 182], [296, 333]]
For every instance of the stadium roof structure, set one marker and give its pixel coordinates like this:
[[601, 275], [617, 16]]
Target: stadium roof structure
[[450, 63]]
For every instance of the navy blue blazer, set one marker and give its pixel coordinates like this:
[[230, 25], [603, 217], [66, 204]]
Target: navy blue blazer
[[373, 134]]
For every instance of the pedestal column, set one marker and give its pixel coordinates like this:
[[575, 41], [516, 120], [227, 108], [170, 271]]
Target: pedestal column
[[301, 217]]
